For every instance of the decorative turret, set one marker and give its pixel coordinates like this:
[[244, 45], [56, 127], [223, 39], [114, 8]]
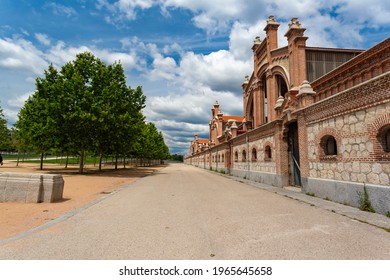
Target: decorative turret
[[245, 83], [279, 103], [295, 26], [215, 109], [306, 94], [271, 30], [257, 42], [297, 50]]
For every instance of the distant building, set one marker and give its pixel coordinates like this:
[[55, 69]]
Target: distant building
[[315, 118]]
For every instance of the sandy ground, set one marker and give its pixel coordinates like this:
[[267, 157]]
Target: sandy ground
[[79, 190]]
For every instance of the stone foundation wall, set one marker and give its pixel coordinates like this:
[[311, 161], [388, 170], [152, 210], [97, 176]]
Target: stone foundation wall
[[355, 160], [357, 119]]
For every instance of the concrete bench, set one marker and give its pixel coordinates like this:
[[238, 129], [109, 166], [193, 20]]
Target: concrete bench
[[30, 187]]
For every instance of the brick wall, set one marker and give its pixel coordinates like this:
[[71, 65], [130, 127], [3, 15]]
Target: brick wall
[[354, 118]]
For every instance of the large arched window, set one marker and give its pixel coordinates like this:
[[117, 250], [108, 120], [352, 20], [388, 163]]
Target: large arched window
[[251, 115], [243, 156], [265, 100], [236, 156], [281, 86]]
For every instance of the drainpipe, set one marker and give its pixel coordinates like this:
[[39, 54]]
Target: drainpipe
[[247, 157], [229, 168], [216, 159]]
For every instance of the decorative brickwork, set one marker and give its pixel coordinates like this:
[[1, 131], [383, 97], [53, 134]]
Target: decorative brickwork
[[324, 139], [331, 137], [369, 94], [366, 66], [378, 132]]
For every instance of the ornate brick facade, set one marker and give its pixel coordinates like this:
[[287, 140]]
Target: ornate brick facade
[[331, 137]]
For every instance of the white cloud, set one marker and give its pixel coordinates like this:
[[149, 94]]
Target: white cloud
[[20, 54], [241, 39], [61, 54], [13, 106], [163, 68], [220, 71], [184, 84], [123, 9], [42, 38], [128, 61], [61, 10], [213, 16], [18, 101]]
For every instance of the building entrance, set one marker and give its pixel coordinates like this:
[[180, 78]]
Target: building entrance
[[293, 150]]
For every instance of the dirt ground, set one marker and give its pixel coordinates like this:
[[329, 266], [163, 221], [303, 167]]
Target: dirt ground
[[79, 190]]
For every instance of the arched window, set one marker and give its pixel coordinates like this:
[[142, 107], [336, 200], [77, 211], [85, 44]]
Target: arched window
[[236, 156], [383, 137], [223, 158], [265, 100], [243, 156], [329, 145], [251, 120], [281, 86], [267, 153], [254, 154]]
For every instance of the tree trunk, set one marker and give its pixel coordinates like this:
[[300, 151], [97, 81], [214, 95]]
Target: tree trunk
[[66, 162], [116, 162], [100, 162], [81, 166], [42, 154], [17, 162]]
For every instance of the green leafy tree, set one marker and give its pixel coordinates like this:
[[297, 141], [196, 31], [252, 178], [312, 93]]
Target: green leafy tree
[[119, 116], [176, 157], [4, 132], [37, 123], [85, 107], [152, 144]]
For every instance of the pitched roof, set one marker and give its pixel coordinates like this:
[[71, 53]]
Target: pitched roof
[[236, 118], [203, 141]]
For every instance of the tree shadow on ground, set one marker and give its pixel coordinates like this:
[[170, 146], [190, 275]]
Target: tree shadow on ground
[[129, 172]]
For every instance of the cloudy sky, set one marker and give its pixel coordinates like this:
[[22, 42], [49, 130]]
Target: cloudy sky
[[184, 53]]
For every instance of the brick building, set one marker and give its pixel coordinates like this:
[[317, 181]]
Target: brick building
[[315, 118]]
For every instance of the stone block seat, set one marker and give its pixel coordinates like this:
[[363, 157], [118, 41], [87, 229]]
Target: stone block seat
[[30, 187]]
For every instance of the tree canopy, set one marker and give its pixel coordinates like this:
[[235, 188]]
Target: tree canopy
[[86, 106], [4, 132]]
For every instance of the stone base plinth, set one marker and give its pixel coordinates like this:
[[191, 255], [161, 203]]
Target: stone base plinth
[[30, 188]]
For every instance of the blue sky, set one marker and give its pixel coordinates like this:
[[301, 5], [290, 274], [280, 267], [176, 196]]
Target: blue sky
[[184, 53]]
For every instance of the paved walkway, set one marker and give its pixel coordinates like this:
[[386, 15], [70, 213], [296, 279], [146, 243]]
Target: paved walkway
[[183, 212]]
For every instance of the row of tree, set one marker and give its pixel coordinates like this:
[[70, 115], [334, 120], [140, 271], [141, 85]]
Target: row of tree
[[86, 106], [4, 132]]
